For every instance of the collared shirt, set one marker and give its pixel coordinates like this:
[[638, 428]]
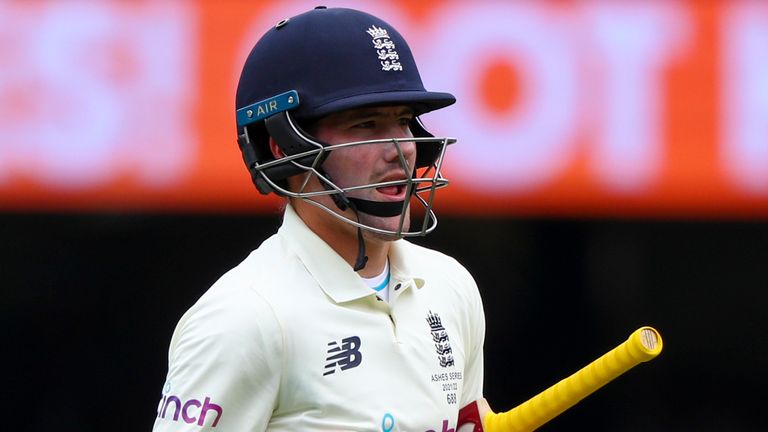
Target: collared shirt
[[293, 340]]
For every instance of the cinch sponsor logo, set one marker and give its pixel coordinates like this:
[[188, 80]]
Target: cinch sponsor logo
[[191, 411], [445, 428], [388, 425]]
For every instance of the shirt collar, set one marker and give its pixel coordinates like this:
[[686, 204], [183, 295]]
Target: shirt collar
[[334, 275], [401, 266]]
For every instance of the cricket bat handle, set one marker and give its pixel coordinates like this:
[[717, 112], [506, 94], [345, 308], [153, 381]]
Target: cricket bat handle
[[643, 345]]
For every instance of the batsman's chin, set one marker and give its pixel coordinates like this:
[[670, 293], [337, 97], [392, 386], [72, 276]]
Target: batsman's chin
[[391, 225]]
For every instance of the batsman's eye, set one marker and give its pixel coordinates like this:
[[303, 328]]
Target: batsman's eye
[[370, 124]]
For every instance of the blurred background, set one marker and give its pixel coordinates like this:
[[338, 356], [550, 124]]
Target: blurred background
[[611, 172]]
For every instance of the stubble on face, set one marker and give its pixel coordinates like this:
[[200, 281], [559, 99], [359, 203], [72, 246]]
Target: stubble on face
[[369, 163], [386, 223]]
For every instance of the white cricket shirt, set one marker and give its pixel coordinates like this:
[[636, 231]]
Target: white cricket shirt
[[293, 340]]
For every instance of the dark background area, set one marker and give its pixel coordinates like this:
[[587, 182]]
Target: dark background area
[[89, 303]]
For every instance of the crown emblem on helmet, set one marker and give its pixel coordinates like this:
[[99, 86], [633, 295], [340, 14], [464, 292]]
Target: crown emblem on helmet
[[385, 48], [378, 32]]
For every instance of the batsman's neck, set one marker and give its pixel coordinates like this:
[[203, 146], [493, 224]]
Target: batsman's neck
[[342, 237]]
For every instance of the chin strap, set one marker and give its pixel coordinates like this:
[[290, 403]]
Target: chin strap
[[378, 208], [361, 259], [344, 203], [375, 208]]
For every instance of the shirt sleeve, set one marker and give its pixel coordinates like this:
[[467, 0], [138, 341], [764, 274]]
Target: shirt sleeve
[[224, 367], [475, 334]]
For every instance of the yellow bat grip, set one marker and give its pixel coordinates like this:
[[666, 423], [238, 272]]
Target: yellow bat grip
[[643, 345]]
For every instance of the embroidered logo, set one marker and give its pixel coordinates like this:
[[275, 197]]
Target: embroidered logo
[[440, 338], [385, 48], [345, 356]]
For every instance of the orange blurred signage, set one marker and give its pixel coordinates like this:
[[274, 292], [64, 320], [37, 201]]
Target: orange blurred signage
[[629, 108]]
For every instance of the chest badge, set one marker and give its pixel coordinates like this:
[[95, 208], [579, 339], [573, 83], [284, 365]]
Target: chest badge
[[441, 340]]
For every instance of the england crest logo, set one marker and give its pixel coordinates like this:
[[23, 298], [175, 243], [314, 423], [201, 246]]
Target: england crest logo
[[385, 49], [441, 340]]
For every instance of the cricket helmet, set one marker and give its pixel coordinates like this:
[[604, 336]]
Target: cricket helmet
[[324, 61]]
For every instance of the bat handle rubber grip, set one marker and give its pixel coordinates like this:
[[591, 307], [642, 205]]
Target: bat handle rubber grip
[[643, 344]]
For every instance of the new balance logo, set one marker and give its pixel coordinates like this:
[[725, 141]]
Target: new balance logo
[[344, 356]]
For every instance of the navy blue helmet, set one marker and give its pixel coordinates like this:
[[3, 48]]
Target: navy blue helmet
[[324, 61]]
